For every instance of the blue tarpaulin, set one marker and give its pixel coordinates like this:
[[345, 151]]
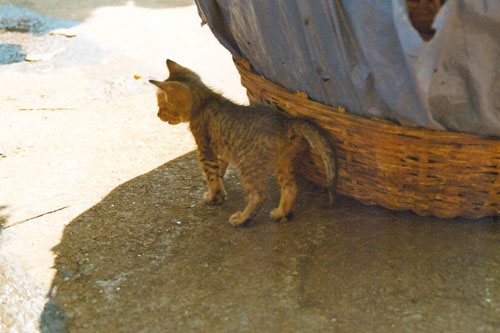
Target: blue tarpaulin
[[367, 56]]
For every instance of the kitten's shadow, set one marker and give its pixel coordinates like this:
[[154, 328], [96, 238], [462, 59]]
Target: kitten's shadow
[[136, 242]]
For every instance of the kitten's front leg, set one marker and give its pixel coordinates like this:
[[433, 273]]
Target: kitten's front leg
[[222, 167], [211, 169]]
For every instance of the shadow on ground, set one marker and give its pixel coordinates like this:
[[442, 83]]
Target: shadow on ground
[[151, 257], [38, 18], [81, 10], [19, 21]]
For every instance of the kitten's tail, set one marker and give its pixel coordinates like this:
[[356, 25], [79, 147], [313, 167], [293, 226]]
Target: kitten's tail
[[318, 140]]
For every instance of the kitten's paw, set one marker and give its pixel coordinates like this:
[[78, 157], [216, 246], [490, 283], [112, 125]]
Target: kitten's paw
[[238, 219], [278, 216], [215, 198]]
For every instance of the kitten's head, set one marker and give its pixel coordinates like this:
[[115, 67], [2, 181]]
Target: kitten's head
[[175, 99]]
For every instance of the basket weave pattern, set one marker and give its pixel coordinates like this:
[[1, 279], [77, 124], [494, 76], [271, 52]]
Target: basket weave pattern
[[438, 173]]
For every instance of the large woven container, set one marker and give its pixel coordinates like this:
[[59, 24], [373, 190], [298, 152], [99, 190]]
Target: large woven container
[[437, 173]]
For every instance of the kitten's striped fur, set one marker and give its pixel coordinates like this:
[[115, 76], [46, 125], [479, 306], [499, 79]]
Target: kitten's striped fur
[[255, 139]]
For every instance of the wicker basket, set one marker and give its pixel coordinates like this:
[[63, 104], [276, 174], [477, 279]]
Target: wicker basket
[[437, 173]]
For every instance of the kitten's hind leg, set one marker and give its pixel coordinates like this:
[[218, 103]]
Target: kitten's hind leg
[[286, 178], [257, 195]]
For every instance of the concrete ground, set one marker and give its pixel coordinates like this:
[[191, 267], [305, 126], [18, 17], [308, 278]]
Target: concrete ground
[[102, 226]]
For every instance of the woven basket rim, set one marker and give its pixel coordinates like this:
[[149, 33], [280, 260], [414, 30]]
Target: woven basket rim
[[383, 124]]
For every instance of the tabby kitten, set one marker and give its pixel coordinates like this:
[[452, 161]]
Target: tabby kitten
[[253, 138]]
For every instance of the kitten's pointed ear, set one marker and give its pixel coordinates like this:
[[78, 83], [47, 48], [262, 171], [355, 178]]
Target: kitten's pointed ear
[[171, 87], [175, 68], [160, 84]]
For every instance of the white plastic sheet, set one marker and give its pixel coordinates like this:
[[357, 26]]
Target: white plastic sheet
[[367, 57]]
